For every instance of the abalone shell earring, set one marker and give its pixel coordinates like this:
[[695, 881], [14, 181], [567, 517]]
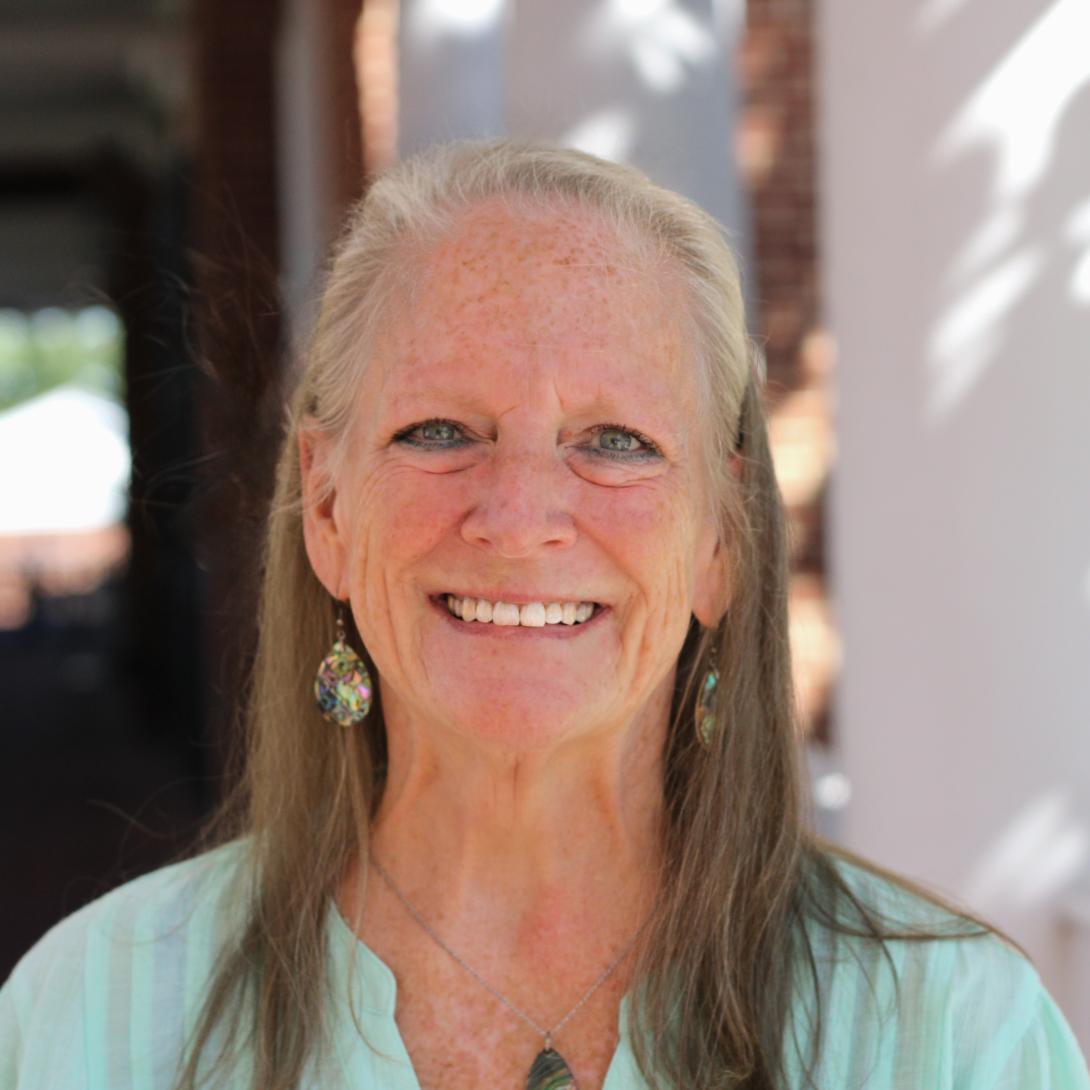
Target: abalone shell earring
[[706, 701], [343, 686]]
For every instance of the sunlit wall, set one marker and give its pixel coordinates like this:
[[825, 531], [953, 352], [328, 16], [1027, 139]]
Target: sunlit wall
[[648, 82], [956, 241]]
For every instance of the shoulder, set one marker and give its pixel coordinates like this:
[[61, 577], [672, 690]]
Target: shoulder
[[933, 942], [179, 899], [941, 1002], [114, 970]]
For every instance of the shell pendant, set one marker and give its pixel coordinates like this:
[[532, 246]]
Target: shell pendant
[[343, 687], [550, 1072]]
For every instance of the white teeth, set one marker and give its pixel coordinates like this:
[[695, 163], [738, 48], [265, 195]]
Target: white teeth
[[505, 613], [530, 615]]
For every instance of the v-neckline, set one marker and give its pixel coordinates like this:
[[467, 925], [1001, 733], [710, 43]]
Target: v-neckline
[[362, 976]]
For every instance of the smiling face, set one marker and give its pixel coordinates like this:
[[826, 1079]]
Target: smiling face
[[526, 431]]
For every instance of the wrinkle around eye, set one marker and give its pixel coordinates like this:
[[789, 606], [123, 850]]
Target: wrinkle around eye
[[439, 462], [589, 465], [430, 469], [621, 472]]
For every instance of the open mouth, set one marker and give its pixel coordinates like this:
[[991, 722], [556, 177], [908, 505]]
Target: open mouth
[[542, 618]]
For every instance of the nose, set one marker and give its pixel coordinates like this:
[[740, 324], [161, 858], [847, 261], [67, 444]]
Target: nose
[[522, 505]]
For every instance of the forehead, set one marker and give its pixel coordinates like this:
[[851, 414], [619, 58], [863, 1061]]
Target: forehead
[[511, 296]]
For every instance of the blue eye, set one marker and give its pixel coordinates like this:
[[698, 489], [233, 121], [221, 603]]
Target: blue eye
[[626, 453], [433, 440], [618, 443]]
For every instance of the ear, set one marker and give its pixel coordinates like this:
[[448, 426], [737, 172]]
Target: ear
[[323, 532], [714, 583], [713, 587]]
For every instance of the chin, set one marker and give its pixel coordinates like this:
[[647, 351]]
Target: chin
[[517, 722]]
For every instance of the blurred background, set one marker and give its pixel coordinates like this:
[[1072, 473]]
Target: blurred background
[[908, 185]]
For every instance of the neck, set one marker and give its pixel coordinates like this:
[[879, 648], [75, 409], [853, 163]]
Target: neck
[[538, 846]]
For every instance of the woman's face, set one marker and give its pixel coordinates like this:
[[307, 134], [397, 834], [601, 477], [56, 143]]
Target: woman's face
[[526, 432]]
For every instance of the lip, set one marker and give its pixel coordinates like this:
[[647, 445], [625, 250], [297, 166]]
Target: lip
[[517, 631]]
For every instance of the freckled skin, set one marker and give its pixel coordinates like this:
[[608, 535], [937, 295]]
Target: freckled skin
[[522, 316], [524, 786]]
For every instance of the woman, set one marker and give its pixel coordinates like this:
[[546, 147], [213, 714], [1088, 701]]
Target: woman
[[548, 830]]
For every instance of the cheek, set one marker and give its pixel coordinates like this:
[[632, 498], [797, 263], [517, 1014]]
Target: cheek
[[651, 529], [648, 521], [401, 515]]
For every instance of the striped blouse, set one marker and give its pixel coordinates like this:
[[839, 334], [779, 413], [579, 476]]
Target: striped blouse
[[104, 1000]]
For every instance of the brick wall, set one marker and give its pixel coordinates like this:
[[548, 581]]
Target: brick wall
[[777, 155]]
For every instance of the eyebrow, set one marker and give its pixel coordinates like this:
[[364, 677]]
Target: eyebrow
[[465, 401], [606, 407]]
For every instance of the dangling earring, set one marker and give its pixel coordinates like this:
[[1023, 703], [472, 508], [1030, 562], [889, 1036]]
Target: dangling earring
[[343, 686], [706, 701]]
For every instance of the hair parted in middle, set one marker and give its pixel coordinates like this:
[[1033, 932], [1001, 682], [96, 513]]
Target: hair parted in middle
[[739, 862]]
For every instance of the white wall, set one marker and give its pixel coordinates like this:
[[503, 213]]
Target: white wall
[[956, 250], [641, 81]]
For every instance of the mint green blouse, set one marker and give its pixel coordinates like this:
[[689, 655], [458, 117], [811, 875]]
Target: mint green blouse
[[104, 1000]]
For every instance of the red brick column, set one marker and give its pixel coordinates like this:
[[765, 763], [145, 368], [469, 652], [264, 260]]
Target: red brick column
[[777, 154]]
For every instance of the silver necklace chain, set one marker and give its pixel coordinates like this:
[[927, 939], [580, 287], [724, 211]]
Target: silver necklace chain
[[547, 1034]]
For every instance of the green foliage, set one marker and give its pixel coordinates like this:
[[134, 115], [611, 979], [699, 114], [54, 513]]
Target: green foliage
[[54, 347]]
